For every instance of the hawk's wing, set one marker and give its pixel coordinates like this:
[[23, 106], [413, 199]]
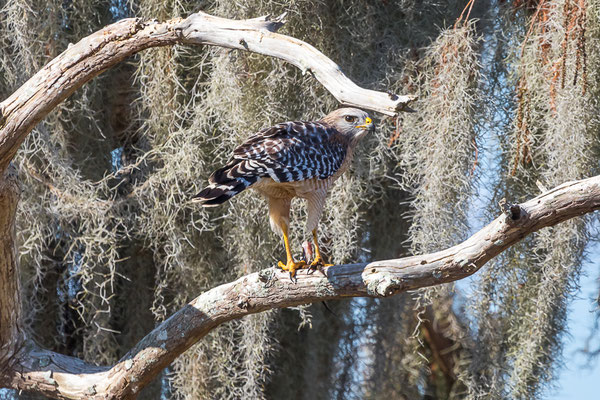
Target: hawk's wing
[[287, 152], [293, 151]]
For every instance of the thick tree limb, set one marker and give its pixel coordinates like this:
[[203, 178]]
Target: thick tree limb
[[103, 49], [23, 365], [272, 288]]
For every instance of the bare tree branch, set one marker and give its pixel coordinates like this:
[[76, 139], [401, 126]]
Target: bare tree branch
[[272, 288], [294, 51], [96, 53], [23, 365]]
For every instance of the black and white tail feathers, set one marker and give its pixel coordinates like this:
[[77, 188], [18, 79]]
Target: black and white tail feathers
[[225, 183]]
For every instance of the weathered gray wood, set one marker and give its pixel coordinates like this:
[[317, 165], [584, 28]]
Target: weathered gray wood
[[272, 288], [23, 365], [202, 28], [96, 53]]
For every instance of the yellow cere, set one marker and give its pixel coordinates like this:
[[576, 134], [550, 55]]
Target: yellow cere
[[367, 123]]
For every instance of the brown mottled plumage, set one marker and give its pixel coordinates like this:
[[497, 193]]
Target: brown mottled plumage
[[291, 159]]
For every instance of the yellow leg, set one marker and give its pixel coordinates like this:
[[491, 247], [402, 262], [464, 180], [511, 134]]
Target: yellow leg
[[290, 265], [318, 258]]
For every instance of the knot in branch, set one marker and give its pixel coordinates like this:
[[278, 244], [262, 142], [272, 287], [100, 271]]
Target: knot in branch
[[513, 211], [381, 284]]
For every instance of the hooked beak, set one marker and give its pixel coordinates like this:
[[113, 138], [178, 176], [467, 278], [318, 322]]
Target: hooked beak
[[368, 124]]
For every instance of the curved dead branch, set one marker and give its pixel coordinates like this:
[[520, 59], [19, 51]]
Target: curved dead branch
[[23, 365], [96, 53], [272, 288]]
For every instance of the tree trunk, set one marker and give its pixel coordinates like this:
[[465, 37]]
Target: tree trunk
[[26, 366], [11, 329]]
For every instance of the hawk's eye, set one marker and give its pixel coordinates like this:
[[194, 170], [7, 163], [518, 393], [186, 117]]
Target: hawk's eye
[[350, 118]]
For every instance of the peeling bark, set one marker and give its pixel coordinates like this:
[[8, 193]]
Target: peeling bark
[[96, 53], [26, 366], [272, 288], [23, 364], [11, 332]]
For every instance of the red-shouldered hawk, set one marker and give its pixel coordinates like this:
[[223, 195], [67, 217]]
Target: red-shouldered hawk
[[291, 159]]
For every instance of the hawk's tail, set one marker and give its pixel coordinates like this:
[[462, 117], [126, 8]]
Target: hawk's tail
[[225, 183]]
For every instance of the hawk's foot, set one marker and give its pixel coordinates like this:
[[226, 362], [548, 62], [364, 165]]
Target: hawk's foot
[[318, 263], [291, 267]]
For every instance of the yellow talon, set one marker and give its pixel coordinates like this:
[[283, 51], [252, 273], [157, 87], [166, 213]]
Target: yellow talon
[[291, 266], [318, 261]]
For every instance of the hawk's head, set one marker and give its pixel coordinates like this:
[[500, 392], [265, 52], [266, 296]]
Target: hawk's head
[[350, 121]]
